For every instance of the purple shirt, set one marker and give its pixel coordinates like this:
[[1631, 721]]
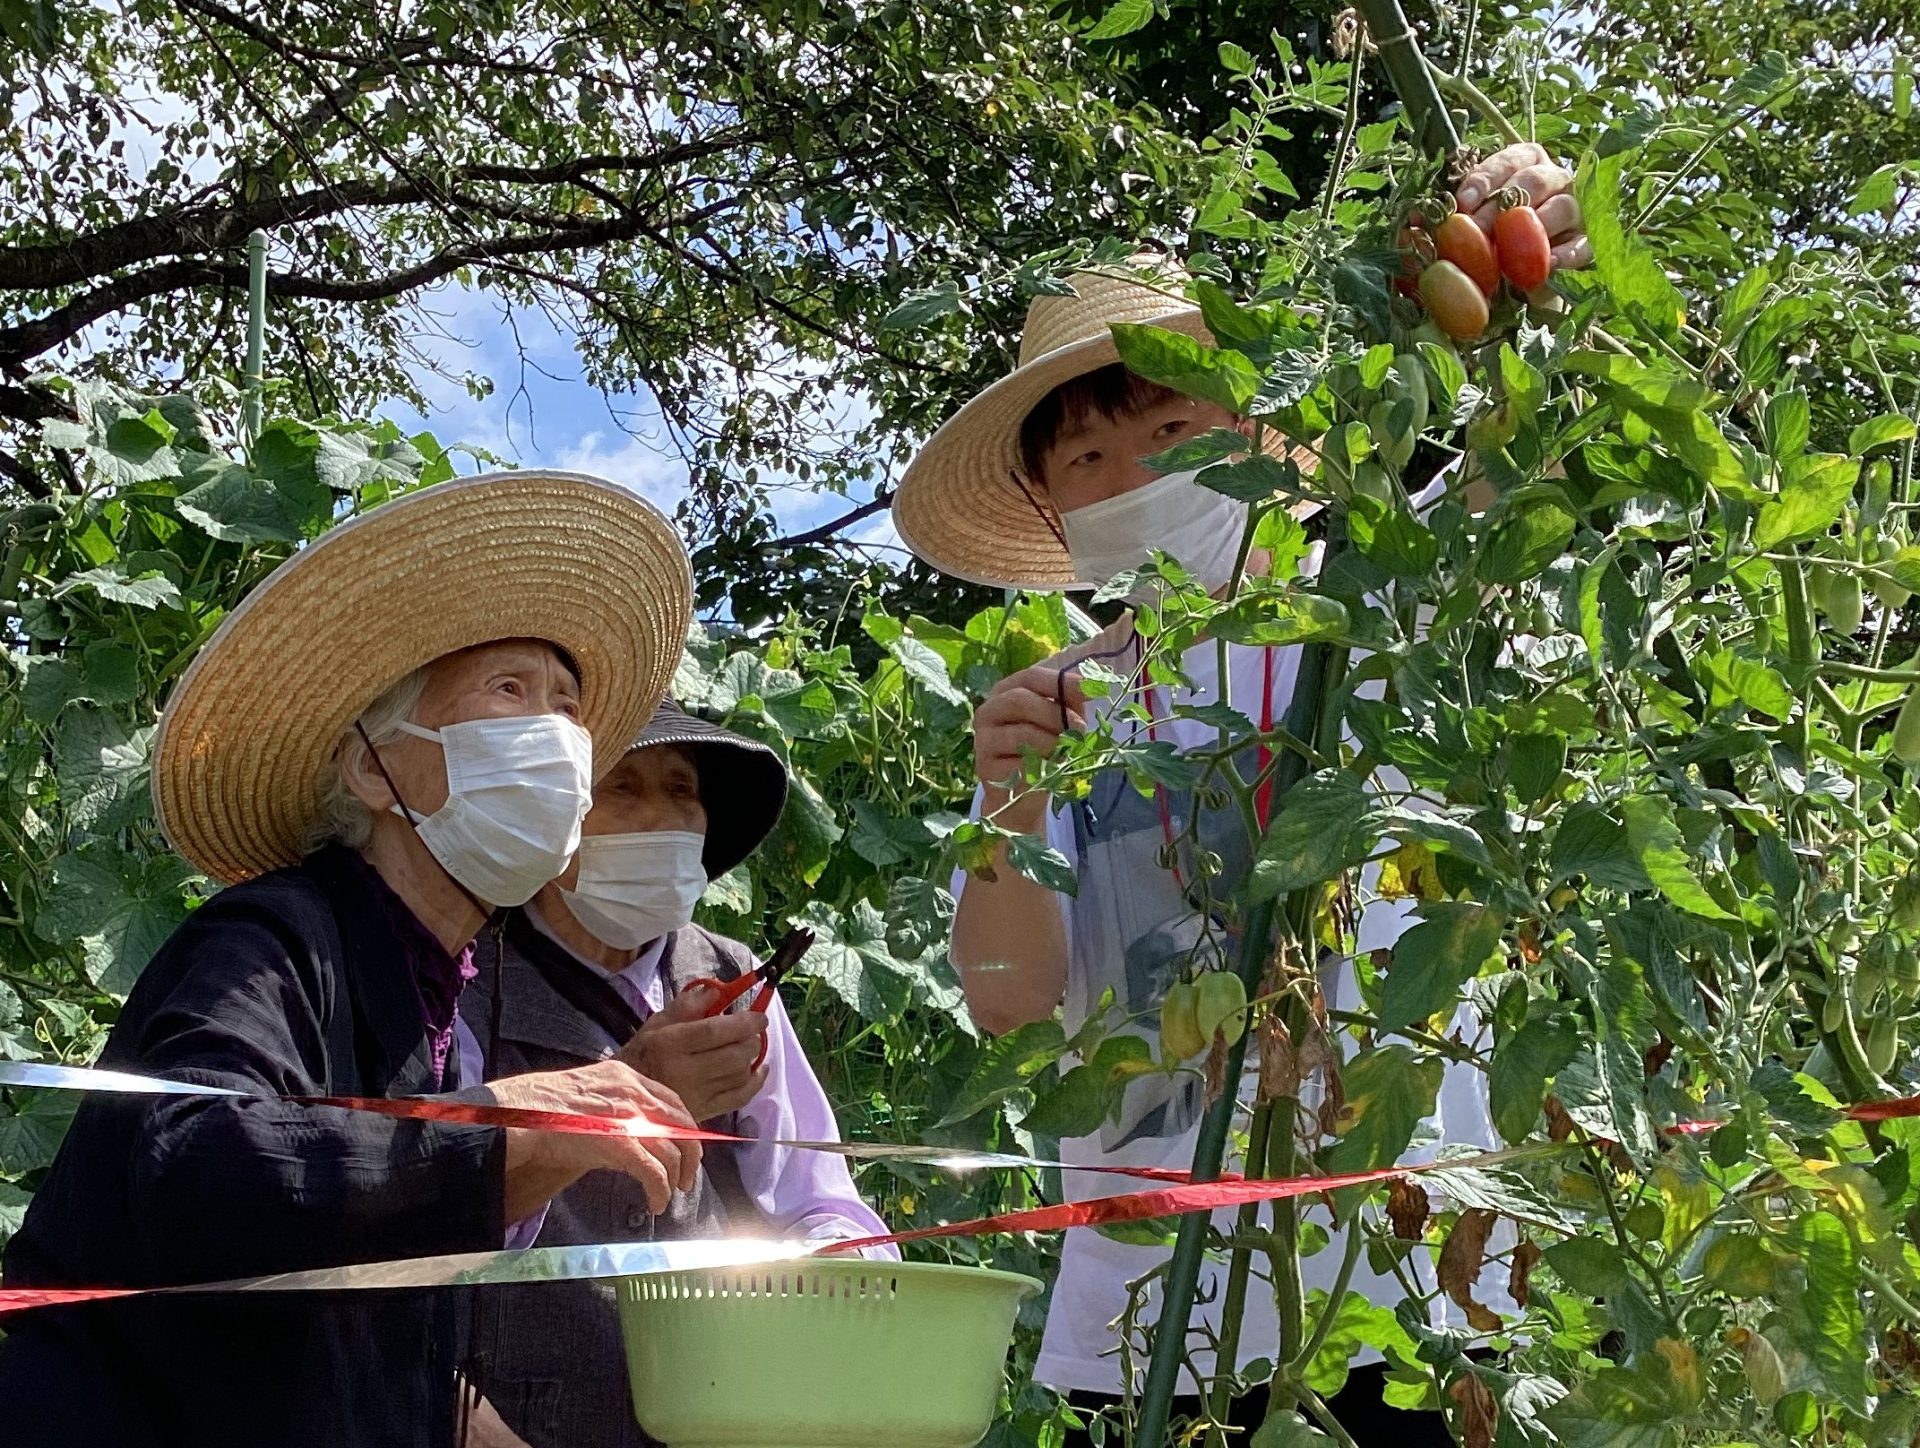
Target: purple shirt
[[438, 977]]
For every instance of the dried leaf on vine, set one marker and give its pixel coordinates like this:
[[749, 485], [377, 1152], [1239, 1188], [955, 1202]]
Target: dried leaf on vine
[[1279, 1064], [1520, 1272], [1216, 1069], [1479, 1414], [1460, 1262], [1408, 1208]]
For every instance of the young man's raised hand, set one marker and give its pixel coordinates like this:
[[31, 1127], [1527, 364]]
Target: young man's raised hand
[[1025, 711], [1549, 188]]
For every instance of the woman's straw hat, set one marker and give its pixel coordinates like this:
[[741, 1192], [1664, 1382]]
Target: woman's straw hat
[[965, 504], [579, 562]]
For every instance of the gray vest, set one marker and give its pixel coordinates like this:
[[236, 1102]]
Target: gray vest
[[549, 1356]]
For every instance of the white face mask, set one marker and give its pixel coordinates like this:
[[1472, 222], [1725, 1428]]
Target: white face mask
[[638, 887], [517, 790], [1174, 514]]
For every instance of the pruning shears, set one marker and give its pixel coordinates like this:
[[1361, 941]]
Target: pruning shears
[[785, 957]]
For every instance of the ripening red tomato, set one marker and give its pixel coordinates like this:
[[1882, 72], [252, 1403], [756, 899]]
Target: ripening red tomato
[[1452, 299], [1524, 249], [1461, 241]]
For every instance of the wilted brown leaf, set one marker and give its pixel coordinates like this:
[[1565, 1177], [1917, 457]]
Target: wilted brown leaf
[[1407, 1208], [1460, 1262], [1479, 1414], [1520, 1272], [1216, 1069], [1559, 1124], [1279, 1065]]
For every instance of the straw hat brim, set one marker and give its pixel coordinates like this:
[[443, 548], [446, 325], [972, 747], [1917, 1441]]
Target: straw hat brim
[[959, 505], [576, 561]]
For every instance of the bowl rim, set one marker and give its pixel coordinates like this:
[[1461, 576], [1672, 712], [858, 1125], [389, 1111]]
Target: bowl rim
[[1028, 1285]]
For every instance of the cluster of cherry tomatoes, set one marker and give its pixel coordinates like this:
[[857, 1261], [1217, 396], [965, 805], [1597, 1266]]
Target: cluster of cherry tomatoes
[[1455, 269]]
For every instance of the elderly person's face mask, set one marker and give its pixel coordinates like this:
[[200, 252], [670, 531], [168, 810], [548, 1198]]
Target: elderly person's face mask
[[519, 780], [640, 872]]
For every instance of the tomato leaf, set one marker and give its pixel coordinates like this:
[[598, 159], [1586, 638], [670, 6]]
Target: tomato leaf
[[1657, 843], [1324, 825], [1434, 959], [1813, 490], [1187, 365], [1623, 262]]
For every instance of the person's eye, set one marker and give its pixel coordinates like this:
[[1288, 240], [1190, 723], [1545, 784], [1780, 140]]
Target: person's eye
[[1172, 428], [571, 709], [511, 685], [1086, 459]]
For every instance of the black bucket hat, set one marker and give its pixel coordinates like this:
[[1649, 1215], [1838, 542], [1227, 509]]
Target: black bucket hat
[[743, 783]]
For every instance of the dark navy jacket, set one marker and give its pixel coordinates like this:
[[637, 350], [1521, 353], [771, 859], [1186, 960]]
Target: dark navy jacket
[[292, 984]]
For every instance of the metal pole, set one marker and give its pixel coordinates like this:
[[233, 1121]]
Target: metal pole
[[256, 332]]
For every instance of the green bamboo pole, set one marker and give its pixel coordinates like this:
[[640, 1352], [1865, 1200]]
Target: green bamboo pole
[[1412, 80], [256, 333], [1414, 83], [1256, 947]]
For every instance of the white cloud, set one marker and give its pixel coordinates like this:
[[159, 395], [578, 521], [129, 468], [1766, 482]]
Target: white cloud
[[635, 462]]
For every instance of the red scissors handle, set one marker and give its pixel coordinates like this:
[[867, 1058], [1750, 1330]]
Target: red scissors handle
[[767, 977]]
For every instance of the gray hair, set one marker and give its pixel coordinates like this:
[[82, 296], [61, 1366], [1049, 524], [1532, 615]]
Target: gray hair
[[343, 818]]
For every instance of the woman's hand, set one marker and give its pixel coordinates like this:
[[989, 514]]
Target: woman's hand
[[1549, 187], [706, 1060]]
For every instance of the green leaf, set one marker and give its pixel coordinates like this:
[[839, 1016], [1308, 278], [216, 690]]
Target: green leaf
[[1526, 388], [1122, 18], [1588, 1266], [1657, 843], [1613, 1409], [1447, 369], [1006, 1065], [1235, 58], [1187, 365], [1211, 446], [1814, 489], [1590, 842], [919, 916], [120, 907], [103, 770], [1253, 479], [1391, 537], [1523, 1063], [13, 1209], [1074, 1107], [1357, 1324], [850, 954], [111, 583], [922, 308], [1434, 959], [30, 1135], [1531, 530], [1325, 825], [1535, 762], [1879, 432], [1672, 405], [731, 892], [1389, 1091], [1260, 618], [923, 664], [1739, 1265], [1734, 677], [1033, 857], [1624, 263], [1876, 193], [807, 832], [1373, 366], [1826, 1320], [236, 506]]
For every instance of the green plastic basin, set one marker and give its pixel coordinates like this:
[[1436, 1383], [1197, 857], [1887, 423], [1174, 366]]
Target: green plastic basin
[[820, 1353]]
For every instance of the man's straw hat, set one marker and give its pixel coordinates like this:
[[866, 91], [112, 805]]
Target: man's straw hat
[[576, 561], [965, 503]]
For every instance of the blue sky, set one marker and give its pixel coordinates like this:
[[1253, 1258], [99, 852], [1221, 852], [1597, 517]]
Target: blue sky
[[543, 412]]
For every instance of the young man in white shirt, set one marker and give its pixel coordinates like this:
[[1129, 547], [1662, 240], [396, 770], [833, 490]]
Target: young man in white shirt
[[1038, 483]]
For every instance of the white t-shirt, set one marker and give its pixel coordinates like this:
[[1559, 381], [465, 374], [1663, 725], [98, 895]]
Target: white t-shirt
[[1091, 1292]]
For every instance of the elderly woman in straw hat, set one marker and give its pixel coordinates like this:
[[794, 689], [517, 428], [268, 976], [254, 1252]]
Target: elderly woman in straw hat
[[606, 960], [391, 738], [1038, 483]]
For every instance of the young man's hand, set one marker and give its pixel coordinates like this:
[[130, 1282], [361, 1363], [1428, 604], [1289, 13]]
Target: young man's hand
[[1025, 710], [707, 1060], [1549, 186]]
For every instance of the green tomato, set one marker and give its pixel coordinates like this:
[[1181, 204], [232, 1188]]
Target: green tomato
[[1906, 730], [1180, 1038], [1886, 589], [1222, 1006]]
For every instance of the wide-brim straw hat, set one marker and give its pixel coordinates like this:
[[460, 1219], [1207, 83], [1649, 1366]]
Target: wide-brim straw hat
[[964, 503], [576, 561], [743, 783]]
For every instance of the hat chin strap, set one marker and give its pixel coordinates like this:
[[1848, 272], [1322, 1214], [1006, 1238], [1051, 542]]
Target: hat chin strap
[[1046, 515]]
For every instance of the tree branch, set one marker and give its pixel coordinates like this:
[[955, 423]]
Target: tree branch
[[880, 502]]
